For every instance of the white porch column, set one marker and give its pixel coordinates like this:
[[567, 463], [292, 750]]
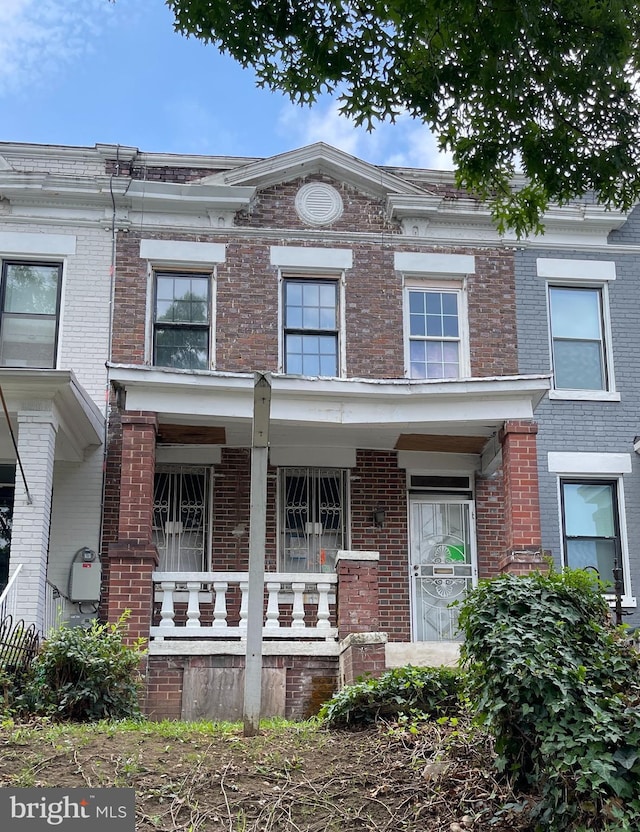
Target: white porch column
[[37, 431]]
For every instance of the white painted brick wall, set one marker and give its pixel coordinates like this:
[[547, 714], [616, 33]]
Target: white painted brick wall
[[83, 340], [31, 521]]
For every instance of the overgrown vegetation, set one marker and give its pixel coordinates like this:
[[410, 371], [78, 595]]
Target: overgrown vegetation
[[84, 675], [422, 691], [559, 687]]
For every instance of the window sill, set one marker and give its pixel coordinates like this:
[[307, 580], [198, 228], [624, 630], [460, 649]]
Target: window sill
[[584, 395], [627, 601]]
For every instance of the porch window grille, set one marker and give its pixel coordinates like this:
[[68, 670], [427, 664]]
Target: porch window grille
[[181, 517], [312, 518]]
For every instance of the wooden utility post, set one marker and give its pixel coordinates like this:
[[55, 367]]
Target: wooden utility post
[[257, 537]]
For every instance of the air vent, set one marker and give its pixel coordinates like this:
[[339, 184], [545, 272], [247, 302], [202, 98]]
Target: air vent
[[441, 484], [318, 204]]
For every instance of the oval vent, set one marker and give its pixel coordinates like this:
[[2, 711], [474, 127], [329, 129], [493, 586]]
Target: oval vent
[[318, 204]]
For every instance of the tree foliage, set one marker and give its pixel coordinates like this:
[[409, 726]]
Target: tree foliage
[[559, 687], [546, 87]]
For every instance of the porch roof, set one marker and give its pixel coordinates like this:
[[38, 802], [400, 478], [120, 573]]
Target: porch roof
[[321, 412], [80, 422]]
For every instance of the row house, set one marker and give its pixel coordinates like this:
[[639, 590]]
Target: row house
[[408, 353], [577, 319]]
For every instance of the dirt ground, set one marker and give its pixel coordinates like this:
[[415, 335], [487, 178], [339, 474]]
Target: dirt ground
[[299, 778]]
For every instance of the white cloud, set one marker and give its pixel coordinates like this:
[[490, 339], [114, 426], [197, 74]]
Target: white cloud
[[407, 143], [37, 37]]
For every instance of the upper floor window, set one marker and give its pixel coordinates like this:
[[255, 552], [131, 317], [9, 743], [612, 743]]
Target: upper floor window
[[29, 314], [578, 338], [182, 321], [591, 526], [311, 327], [434, 333]]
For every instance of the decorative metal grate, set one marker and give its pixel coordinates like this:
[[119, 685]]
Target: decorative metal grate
[[312, 518], [181, 511]]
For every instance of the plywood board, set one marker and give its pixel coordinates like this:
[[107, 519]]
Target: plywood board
[[217, 693], [442, 444], [190, 435]]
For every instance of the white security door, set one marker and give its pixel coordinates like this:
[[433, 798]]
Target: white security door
[[443, 564]]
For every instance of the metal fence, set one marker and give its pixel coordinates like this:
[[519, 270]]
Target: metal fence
[[18, 647]]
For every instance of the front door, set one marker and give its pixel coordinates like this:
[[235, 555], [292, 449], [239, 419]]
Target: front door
[[443, 564]]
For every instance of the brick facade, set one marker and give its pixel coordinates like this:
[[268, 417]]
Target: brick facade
[[373, 597]]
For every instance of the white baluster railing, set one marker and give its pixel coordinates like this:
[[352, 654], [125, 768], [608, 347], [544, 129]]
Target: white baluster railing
[[297, 605]]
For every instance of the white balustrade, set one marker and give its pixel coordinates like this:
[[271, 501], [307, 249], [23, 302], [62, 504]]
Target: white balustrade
[[188, 598]]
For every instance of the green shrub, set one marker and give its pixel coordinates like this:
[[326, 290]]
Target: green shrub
[[432, 691], [86, 674], [559, 687]]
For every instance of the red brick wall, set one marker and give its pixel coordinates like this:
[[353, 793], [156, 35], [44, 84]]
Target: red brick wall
[[136, 477], [520, 468], [377, 481], [490, 529], [246, 337]]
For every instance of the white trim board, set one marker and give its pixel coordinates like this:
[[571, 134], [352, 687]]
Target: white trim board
[[570, 462]]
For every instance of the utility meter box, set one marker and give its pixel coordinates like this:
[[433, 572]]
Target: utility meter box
[[85, 581]]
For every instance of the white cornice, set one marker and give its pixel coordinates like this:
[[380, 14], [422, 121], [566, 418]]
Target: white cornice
[[317, 158], [44, 191]]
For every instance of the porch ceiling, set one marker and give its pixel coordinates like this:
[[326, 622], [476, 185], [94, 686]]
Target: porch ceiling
[[80, 422], [336, 413]]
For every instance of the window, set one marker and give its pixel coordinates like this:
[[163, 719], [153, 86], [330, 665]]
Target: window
[[182, 323], [311, 327], [181, 517], [312, 518], [30, 307], [434, 333], [591, 528], [577, 338]]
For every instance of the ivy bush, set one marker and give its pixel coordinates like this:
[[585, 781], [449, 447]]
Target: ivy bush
[[86, 674], [559, 687], [432, 691]]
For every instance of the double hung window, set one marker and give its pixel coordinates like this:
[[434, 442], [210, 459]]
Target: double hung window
[[577, 338], [182, 321], [311, 327], [435, 333], [591, 527], [30, 307]]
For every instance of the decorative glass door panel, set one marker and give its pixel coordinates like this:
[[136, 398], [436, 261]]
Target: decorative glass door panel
[[443, 568], [181, 517], [312, 525]]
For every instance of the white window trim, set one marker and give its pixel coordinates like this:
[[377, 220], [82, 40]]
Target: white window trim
[[629, 601], [182, 253], [578, 270], [150, 313], [325, 274], [307, 257], [440, 265], [561, 393], [458, 285]]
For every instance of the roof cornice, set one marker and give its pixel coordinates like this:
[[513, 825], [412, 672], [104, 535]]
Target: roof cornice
[[317, 158]]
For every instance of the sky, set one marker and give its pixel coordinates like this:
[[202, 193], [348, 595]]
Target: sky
[[81, 72]]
